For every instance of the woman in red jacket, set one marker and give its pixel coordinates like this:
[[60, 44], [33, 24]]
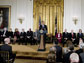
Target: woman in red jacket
[[59, 37]]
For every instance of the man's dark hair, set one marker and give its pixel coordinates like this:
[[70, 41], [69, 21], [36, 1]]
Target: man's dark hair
[[71, 47]]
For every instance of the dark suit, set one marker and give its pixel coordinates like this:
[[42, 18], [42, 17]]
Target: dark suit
[[58, 53], [66, 57], [10, 34], [65, 35], [29, 36], [82, 57], [43, 27], [72, 37], [79, 51], [79, 35], [23, 37], [8, 48]]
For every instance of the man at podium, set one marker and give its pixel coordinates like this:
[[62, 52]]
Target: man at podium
[[43, 31]]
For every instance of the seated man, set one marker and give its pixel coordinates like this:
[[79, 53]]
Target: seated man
[[8, 48], [23, 37], [58, 52], [72, 37], [29, 36], [66, 57], [65, 36]]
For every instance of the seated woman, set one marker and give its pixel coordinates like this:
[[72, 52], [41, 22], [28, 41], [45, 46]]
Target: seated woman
[[59, 37], [16, 35]]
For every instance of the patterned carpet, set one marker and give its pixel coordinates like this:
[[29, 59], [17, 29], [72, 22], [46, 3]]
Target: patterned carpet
[[30, 51], [29, 61]]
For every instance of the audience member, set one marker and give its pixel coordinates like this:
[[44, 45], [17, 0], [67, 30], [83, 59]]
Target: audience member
[[80, 42], [23, 37], [4, 34], [16, 35], [67, 56], [59, 37], [52, 55], [74, 58], [6, 47], [79, 35], [82, 55], [30, 36], [10, 34], [72, 37], [58, 52], [65, 50], [65, 36], [80, 50]]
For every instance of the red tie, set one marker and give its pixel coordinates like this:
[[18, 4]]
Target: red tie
[[72, 34]]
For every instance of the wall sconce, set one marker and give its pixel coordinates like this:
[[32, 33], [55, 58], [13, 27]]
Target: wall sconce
[[21, 18], [75, 19]]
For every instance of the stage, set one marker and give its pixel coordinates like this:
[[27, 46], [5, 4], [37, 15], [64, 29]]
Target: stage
[[30, 51]]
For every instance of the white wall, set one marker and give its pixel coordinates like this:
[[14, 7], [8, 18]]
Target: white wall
[[72, 8], [82, 14], [20, 7]]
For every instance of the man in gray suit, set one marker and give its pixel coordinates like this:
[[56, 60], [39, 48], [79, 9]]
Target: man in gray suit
[[36, 37]]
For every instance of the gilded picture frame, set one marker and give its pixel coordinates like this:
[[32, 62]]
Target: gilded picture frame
[[5, 17]]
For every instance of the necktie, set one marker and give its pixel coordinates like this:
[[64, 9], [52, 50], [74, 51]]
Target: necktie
[[72, 34]]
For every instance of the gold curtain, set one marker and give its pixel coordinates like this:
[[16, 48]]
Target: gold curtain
[[48, 10]]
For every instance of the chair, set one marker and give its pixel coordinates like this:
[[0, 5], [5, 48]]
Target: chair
[[4, 55]]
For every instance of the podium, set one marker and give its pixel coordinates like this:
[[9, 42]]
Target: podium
[[42, 42]]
